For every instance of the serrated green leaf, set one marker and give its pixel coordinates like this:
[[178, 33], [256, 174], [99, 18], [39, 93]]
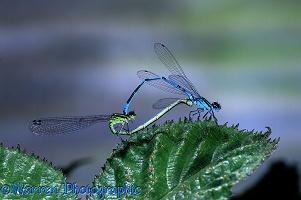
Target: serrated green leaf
[[24, 176], [190, 160]]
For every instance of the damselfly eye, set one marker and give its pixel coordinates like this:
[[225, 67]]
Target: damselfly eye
[[132, 113], [216, 106]]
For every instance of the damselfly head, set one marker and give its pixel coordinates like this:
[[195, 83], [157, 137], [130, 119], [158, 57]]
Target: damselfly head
[[132, 114], [216, 106]]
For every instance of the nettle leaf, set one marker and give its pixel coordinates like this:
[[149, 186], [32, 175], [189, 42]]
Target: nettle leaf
[[24, 176], [190, 160]]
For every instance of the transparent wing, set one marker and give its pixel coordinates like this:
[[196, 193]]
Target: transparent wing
[[174, 67], [183, 82], [158, 83], [64, 125], [168, 59], [163, 103]]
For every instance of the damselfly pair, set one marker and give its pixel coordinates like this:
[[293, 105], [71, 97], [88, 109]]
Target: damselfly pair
[[177, 83]]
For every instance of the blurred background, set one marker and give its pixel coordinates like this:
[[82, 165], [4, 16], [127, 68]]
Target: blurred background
[[64, 58]]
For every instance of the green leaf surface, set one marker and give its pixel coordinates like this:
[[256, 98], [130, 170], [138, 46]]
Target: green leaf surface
[[24, 176], [187, 160]]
